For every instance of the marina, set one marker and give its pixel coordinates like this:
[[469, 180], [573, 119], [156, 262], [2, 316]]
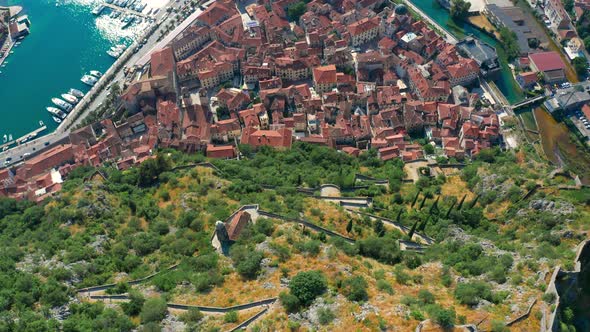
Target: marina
[[125, 10], [60, 72]]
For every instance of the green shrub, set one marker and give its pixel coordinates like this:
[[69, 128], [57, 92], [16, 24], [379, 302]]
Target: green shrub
[[134, 305], [246, 260], [498, 326], [443, 317], [325, 316], [426, 297], [120, 288], [549, 297], [383, 249], [290, 302], [401, 276], [355, 289], [231, 317], [192, 316], [472, 292], [308, 285], [153, 310], [384, 286], [312, 247]]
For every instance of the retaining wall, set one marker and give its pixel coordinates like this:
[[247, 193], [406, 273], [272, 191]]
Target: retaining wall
[[305, 223], [131, 282]]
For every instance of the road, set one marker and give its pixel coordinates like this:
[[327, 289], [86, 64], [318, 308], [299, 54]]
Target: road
[[21, 152]]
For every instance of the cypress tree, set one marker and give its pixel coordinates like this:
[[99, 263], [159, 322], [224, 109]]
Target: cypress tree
[[412, 230], [422, 204], [349, 226], [379, 228], [434, 205], [461, 203], [474, 202], [450, 209], [415, 199], [423, 224]]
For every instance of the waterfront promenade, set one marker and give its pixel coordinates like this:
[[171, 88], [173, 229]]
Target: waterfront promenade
[[449, 37]]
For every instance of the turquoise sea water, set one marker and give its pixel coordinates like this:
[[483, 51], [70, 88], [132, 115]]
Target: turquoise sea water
[[442, 16], [66, 41]]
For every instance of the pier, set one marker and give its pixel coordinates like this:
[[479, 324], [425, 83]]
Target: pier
[[125, 10], [9, 143], [32, 134]]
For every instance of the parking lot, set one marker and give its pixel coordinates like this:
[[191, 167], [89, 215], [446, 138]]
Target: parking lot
[[581, 121]]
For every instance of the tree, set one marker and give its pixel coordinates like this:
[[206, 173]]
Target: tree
[[308, 285], [443, 317], [379, 228], [383, 249], [471, 293], [290, 302], [223, 113], [134, 305], [153, 310], [460, 9], [428, 148], [296, 10], [581, 66], [349, 226], [247, 261], [509, 41], [426, 297]]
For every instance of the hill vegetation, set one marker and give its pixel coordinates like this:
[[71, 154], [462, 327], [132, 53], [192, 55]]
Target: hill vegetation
[[492, 250]]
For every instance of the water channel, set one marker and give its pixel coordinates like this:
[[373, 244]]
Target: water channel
[[504, 81]]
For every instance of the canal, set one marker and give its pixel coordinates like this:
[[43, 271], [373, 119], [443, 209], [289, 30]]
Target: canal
[[504, 81]]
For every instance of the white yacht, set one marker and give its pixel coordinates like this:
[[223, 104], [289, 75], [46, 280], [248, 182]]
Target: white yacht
[[57, 112], [62, 104], [56, 119], [69, 98], [90, 80], [96, 73], [77, 93]]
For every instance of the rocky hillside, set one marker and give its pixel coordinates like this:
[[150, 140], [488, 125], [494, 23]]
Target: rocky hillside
[[485, 237]]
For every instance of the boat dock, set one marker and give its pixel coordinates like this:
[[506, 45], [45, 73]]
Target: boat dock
[[9, 143], [33, 133], [125, 10]]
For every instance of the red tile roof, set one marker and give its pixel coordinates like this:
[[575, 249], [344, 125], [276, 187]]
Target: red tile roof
[[325, 75], [162, 62], [547, 61], [237, 224]]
